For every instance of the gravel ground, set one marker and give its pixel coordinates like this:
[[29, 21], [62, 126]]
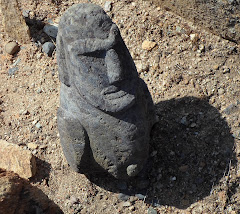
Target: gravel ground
[[194, 79]]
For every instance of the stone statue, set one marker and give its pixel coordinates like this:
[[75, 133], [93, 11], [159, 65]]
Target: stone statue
[[106, 111]]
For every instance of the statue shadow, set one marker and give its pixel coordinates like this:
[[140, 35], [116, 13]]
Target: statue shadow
[[191, 150]]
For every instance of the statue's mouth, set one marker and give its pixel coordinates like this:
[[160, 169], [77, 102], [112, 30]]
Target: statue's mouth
[[112, 92]]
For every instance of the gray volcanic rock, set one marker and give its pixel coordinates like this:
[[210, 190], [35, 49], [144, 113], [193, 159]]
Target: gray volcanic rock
[[106, 111]]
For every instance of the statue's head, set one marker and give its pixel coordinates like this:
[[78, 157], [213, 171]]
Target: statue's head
[[93, 58]]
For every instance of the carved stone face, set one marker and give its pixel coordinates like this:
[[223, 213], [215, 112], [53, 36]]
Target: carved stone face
[[102, 69], [106, 111]]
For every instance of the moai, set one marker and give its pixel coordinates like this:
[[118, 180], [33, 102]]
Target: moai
[[106, 111]]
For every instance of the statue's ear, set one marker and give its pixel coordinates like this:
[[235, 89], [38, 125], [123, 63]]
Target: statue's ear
[[61, 58]]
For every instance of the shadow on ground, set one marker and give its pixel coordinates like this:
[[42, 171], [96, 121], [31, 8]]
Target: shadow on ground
[[36, 31], [42, 174], [191, 149], [20, 197]]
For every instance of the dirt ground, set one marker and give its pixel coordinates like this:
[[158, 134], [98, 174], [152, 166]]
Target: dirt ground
[[194, 80]]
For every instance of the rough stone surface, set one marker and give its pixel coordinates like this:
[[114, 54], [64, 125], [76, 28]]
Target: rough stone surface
[[221, 17], [106, 111], [11, 48], [15, 159], [13, 21]]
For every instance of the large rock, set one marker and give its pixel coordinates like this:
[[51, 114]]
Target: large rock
[[221, 17], [13, 158], [106, 111], [13, 21]]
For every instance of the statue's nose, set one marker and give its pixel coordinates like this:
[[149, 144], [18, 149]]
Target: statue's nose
[[114, 69]]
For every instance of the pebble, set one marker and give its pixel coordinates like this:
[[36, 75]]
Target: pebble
[[25, 112], [134, 4], [230, 109], [39, 90], [51, 30], [173, 178], [48, 48], [151, 210], [32, 145], [221, 91], [226, 70], [142, 67], [133, 198], [140, 196], [38, 125], [194, 37], [132, 170], [153, 153], [183, 168], [108, 6], [236, 135], [73, 200], [148, 45], [127, 204], [16, 62], [131, 208], [34, 122], [201, 48], [25, 13], [123, 197], [178, 29], [184, 121], [12, 48], [215, 67], [12, 71], [34, 152]]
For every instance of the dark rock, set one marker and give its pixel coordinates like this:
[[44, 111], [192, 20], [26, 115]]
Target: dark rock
[[48, 48], [12, 71], [140, 196], [106, 111], [123, 197], [51, 30]]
